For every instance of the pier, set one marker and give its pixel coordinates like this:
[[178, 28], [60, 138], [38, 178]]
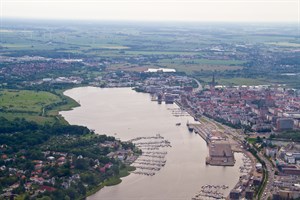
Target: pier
[[153, 154], [211, 192], [220, 152]]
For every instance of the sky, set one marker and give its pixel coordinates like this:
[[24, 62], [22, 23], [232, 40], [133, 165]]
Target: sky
[[155, 10]]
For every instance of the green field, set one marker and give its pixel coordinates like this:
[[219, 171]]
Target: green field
[[200, 61], [191, 48], [26, 101], [242, 81], [195, 64], [285, 44], [40, 107]]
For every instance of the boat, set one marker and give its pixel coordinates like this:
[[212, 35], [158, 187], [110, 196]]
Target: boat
[[153, 98], [191, 129], [178, 124]]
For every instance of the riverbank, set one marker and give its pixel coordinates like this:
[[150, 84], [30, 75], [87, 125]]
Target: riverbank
[[67, 160], [222, 141], [126, 114], [111, 181], [38, 106]]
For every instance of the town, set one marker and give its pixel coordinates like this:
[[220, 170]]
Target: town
[[71, 164], [240, 85], [262, 119]]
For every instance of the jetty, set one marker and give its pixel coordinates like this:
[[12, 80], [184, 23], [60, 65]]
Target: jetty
[[220, 152], [211, 192], [154, 151]]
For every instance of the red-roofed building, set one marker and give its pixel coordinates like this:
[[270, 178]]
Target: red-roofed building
[[45, 188]]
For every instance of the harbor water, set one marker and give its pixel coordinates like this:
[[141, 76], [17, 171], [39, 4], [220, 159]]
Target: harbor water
[[126, 114]]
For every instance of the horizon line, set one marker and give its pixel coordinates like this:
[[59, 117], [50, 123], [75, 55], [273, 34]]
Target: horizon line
[[146, 20]]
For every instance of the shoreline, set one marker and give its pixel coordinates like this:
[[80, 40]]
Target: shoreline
[[112, 181], [237, 146], [106, 183], [98, 188]]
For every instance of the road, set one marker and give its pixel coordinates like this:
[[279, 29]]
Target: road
[[199, 88], [267, 190], [269, 167]]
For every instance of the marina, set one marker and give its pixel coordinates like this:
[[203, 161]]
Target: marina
[[211, 192], [153, 154], [173, 169]]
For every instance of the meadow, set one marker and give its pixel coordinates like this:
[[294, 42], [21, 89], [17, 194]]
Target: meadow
[[39, 106]]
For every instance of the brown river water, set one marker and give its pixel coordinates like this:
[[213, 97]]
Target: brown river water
[[126, 114]]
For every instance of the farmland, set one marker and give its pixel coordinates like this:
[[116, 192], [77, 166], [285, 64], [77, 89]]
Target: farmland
[[233, 52]]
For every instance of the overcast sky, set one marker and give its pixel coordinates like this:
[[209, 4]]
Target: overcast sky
[[153, 10]]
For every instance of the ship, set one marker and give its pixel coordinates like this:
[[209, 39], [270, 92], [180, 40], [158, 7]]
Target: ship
[[189, 127]]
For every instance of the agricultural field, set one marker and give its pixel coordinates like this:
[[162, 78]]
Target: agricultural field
[[237, 54], [286, 44], [243, 81]]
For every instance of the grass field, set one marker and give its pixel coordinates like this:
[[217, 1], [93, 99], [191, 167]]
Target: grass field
[[237, 81], [242, 81], [193, 61], [195, 65], [285, 44], [26, 101], [29, 116], [31, 105], [189, 69]]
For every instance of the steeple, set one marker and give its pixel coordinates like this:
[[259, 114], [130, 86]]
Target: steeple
[[212, 84], [213, 80]]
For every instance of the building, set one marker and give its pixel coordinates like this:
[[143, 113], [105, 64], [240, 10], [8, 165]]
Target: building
[[220, 154], [291, 171], [271, 152], [188, 89], [286, 194], [291, 157], [249, 194], [235, 194], [258, 167], [283, 124], [256, 181], [169, 98]]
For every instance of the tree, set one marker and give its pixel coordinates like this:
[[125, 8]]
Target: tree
[[258, 139], [81, 164], [44, 198], [72, 194], [81, 188]]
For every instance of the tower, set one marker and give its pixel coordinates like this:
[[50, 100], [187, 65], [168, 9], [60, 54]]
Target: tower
[[212, 84]]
